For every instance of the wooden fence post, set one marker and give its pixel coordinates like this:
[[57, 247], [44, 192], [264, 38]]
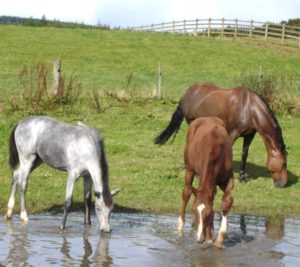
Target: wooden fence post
[[251, 28], [173, 26], [283, 33], [222, 30], [197, 25], [260, 77], [162, 27], [266, 31], [159, 74], [56, 76], [236, 28], [209, 27]]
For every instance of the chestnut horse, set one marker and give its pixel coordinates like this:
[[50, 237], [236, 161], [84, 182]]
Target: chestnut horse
[[208, 154], [244, 113]]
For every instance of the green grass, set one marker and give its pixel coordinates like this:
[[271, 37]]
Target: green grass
[[151, 176], [104, 59]]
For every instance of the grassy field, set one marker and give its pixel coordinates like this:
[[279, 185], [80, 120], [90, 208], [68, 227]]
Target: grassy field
[[105, 59], [151, 176]]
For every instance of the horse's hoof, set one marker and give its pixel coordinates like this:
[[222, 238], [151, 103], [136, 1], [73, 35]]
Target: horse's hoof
[[24, 217], [180, 233], [243, 181], [218, 245], [7, 218], [106, 230]]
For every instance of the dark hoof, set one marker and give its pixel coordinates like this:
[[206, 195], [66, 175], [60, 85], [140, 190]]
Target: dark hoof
[[105, 231], [243, 181]]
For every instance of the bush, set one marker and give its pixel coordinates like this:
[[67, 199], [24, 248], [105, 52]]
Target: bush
[[38, 96], [277, 90]]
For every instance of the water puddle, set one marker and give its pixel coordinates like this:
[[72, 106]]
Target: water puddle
[[142, 239]]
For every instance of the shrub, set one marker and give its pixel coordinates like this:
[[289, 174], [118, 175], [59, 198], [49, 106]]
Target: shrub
[[38, 96], [276, 89]]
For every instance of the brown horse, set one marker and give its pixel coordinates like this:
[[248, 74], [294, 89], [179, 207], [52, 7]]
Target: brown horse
[[244, 113], [208, 154]]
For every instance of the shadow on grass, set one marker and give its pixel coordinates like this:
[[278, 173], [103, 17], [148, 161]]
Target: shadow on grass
[[254, 171]]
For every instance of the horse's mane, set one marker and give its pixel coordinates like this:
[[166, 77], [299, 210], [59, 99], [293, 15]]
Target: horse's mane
[[278, 128]]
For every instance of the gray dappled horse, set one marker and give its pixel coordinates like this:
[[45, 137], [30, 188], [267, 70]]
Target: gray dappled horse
[[77, 149]]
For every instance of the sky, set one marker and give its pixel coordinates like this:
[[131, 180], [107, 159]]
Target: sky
[[130, 13]]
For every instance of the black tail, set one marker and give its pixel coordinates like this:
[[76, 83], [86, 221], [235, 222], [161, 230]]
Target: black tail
[[172, 128], [13, 152]]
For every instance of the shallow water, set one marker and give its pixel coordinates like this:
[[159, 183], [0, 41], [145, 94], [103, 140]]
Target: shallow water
[[142, 239]]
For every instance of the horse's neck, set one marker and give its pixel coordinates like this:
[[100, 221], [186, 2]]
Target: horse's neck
[[268, 129]]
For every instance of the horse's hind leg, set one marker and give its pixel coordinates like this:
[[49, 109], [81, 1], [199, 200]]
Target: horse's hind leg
[[24, 171], [11, 201], [88, 184], [186, 194], [246, 144], [69, 197], [20, 177]]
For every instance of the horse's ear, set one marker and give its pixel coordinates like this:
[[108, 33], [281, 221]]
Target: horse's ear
[[115, 191]]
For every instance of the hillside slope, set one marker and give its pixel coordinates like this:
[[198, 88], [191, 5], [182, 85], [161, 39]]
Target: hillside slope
[[105, 59]]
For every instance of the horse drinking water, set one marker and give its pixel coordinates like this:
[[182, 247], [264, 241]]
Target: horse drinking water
[[207, 154], [244, 113], [77, 149]]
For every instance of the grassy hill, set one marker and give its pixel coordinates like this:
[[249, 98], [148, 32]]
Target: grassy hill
[[102, 59], [151, 176]]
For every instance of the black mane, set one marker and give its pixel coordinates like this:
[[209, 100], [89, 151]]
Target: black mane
[[278, 128]]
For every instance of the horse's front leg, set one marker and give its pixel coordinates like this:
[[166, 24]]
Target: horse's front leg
[[88, 184], [186, 194], [69, 198], [246, 144], [209, 230], [227, 201]]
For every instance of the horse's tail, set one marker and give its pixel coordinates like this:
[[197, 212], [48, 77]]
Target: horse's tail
[[13, 151], [172, 128]]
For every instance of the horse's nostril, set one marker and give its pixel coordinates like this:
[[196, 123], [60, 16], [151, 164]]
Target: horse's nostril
[[279, 184]]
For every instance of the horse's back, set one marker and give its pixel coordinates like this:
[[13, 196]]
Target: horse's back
[[233, 106], [208, 142], [60, 145]]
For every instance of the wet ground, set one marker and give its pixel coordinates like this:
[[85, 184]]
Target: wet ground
[[141, 239]]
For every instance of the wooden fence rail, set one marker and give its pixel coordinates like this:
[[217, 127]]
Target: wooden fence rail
[[228, 28]]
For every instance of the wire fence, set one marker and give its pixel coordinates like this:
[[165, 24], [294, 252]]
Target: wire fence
[[235, 28]]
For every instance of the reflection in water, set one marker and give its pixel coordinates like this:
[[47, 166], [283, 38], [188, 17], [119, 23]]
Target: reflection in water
[[275, 227], [141, 239], [99, 256], [18, 254]]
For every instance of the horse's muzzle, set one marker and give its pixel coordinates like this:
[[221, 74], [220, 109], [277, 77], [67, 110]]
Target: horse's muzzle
[[279, 184]]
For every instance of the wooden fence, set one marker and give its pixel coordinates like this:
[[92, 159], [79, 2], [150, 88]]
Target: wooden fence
[[228, 28]]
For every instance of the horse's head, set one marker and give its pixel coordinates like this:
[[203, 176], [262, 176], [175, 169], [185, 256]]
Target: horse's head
[[103, 208], [204, 216], [278, 168]]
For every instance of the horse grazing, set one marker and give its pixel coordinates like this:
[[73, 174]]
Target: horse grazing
[[208, 154], [77, 149], [244, 113]]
